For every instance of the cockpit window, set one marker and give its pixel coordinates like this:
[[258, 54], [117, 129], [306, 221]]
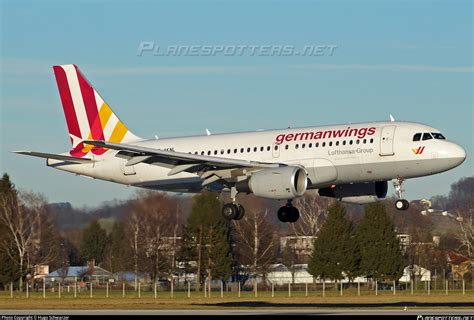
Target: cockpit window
[[417, 137], [438, 135], [427, 136]]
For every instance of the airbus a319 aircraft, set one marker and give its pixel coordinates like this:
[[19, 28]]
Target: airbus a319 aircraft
[[351, 162]]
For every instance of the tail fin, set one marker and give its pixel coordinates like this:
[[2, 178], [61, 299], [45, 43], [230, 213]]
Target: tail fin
[[88, 116]]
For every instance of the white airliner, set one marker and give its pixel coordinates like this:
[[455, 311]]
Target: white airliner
[[351, 162]]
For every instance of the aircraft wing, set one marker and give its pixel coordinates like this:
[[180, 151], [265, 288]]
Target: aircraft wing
[[210, 168], [55, 156]]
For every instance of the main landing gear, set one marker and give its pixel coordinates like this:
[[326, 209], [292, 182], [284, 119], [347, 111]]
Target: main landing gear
[[400, 204], [288, 213], [235, 211]]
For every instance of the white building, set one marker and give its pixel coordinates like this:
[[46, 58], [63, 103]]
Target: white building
[[421, 274]]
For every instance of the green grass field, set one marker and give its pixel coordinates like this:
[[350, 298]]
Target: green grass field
[[298, 299]]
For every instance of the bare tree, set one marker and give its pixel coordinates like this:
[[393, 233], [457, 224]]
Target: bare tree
[[312, 209], [255, 241], [29, 231], [153, 220], [466, 237], [133, 227]]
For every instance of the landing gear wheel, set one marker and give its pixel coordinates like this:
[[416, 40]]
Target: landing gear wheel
[[241, 213], [230, 211], [402, 204], [283, 214], [288, 214], [294, 215]]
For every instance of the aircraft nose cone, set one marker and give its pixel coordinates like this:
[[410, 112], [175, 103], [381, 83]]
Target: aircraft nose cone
[[458, 154]]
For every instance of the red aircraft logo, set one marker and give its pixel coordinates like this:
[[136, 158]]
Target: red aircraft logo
[[418, 150]]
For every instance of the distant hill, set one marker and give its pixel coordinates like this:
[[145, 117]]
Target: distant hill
[[68, 217]]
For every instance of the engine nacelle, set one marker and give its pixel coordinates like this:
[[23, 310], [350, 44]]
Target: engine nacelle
[[276, 183], [358, 193], [360, 199]]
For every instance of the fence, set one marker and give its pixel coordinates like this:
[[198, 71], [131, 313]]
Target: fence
[[221, 290]]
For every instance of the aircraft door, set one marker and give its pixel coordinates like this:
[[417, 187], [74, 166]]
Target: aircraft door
[[386, 141]]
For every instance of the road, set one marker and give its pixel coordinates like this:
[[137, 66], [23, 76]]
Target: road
[[222, 312]]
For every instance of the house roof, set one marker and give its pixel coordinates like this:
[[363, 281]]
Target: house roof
[[78, 271], [456, 258]]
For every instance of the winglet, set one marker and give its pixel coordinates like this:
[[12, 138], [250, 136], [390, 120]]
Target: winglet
[[392, 119], [208, 132]]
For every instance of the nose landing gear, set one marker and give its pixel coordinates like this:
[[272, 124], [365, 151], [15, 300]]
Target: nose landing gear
[[400, 204]]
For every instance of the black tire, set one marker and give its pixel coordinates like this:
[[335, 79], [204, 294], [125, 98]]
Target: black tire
[[294, 214], [230, 211], [241, 213], [402, 204], [406, 204], [283, 214]]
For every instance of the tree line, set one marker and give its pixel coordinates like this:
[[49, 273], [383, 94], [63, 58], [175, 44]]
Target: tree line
[[163, 236], [370, 249]]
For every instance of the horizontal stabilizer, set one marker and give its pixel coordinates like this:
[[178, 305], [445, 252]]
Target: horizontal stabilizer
[[55, 156]]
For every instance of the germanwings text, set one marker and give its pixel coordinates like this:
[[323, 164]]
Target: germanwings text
[[360, 133]]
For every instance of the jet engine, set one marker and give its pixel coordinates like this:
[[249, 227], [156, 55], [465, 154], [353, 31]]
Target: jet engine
[[276, 183], [357, 193]]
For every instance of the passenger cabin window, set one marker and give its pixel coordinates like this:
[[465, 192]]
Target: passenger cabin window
[[427, 136], [417, 137]]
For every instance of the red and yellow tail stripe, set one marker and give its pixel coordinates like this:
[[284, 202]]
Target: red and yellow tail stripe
[[88, 116]]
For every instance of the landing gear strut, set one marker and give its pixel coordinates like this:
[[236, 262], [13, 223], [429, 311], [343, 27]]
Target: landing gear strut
[[400, 204], [288, 213], [233, 211]]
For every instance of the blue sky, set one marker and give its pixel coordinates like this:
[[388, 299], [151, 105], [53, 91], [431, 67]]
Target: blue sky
[[412, 59]]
